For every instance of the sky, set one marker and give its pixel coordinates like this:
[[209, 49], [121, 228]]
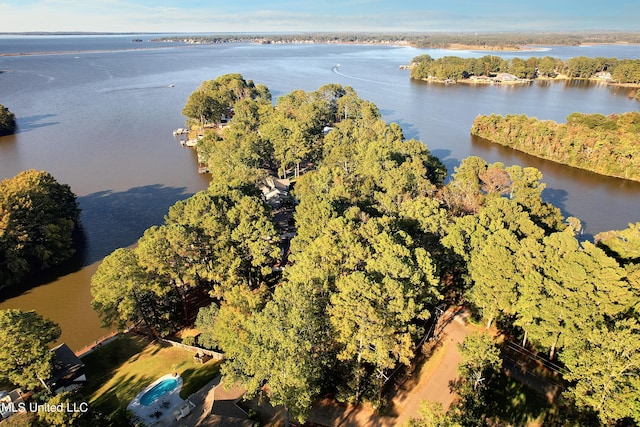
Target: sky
[[249, 16]]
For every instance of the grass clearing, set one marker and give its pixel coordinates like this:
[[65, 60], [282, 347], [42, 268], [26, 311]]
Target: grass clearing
[[117, 372]]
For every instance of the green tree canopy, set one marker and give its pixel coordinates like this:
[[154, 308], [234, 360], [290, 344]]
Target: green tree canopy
[[202, 107], [601, 144], [66, 418], [215, 99], [124, 292], [229, 237], [574, 289], [622, 244], [25, 357], [37, 219], [604, 371], [288, 348], [480, 364], [480, 356], [7, 121], [581, 67], [432, 414]]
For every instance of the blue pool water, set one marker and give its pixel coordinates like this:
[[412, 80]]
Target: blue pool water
[[158, 390]]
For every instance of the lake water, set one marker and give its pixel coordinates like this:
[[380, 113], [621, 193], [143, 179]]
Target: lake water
[[100, 116]]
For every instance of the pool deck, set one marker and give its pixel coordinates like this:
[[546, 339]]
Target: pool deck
[[165, 410]]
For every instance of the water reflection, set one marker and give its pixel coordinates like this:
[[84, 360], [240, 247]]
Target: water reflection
[[110, 220], [26, 124], [449, 162], [116, 219]]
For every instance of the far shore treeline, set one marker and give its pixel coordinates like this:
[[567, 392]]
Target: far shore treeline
[[607, 145], [443, 40], [454, 68]]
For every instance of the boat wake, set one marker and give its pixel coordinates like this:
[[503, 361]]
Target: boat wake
[[133, 88], [336, 70]]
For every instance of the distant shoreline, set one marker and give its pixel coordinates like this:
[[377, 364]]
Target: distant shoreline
[[196, 41], [75, 52], [458, 46], [559, 78]]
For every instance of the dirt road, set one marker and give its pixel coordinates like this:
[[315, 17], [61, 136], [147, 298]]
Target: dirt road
[[432, 382]]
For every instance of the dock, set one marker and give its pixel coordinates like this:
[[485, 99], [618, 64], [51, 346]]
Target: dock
[[180, 131]]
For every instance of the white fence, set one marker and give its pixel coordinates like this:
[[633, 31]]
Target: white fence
[[193, 349]]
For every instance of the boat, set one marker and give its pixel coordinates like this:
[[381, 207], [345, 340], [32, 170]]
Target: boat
[[172, 85]]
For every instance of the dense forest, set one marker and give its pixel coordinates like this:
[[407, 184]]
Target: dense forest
[[607, 145], [422, 40], [379, 240], [453, 68], [7, 121], [37, 219]]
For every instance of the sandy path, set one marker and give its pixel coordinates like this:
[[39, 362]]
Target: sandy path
[[433, 382]]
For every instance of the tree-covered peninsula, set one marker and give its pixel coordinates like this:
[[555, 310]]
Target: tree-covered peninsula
[[607, 145], [37, 219], [329, 291], [7, 121], [489, 68]]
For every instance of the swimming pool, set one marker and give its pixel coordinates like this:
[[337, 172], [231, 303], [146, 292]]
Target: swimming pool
[[158, 390], [159, 400]]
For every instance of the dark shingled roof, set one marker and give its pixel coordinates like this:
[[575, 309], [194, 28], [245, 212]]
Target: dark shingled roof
[[66, 364]]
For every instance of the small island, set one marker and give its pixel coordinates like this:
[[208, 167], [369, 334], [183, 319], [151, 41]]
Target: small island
[[607, 145]]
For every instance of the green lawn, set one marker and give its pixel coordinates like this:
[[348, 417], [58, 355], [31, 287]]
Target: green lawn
[[117, 372]]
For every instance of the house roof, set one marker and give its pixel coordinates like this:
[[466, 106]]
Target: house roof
[[65, 364], [275, 182], [213, 420]]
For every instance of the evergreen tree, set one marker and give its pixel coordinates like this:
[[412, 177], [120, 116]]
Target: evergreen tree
[[604, 371], [7, 121], [124, 292], [37, 219], [25, 357]]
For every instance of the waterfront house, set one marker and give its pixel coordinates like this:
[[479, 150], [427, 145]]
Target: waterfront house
[[603, 75], [68, 370], [506, 77], [274, 190]]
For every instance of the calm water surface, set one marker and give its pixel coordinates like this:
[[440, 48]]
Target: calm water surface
[[101, 122]]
